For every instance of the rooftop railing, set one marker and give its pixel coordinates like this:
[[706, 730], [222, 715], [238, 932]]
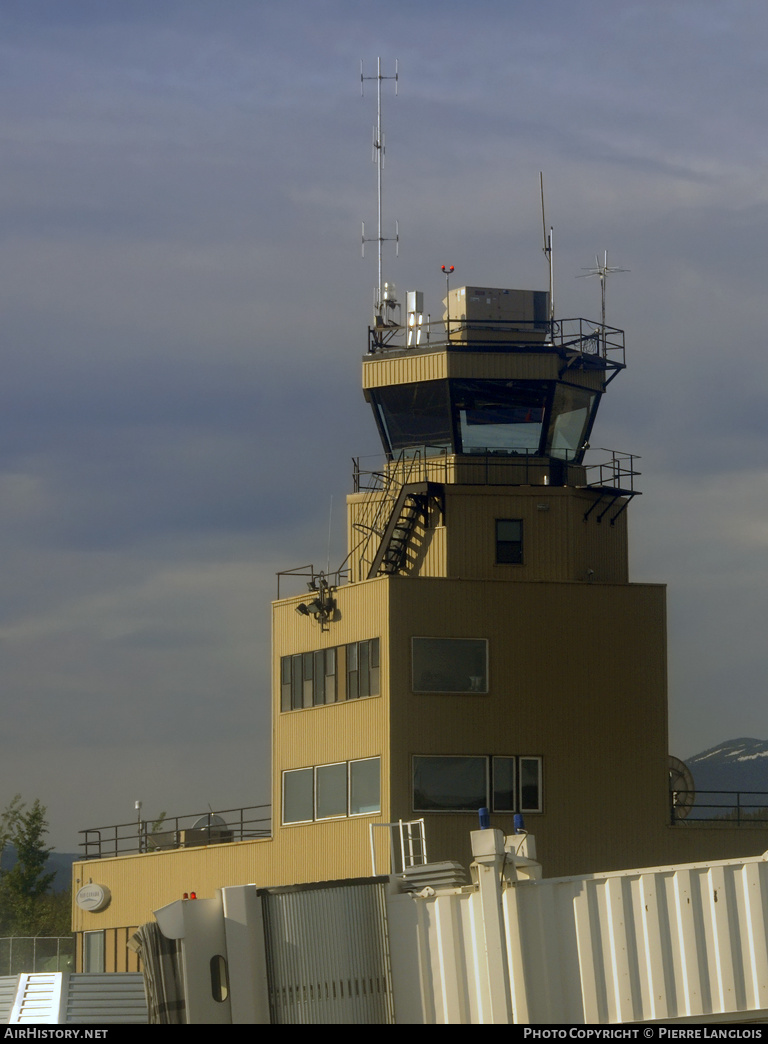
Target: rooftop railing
[[724, 808], [189, 831], [579, 335], [601, 469]]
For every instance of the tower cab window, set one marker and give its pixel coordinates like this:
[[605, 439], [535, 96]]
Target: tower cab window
[[509, 541]]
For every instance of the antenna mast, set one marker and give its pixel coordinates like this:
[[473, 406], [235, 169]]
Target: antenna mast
[[378, 159], [547, 248], [603, 271]]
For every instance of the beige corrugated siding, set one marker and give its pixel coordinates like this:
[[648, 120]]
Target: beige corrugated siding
[[408, 369]]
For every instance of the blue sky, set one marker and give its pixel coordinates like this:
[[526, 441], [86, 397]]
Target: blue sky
[[183, 309]]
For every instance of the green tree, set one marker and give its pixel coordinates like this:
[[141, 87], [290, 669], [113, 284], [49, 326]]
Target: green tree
[[25, 905]]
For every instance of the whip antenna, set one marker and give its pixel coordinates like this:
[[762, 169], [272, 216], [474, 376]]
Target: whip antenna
[[380, 298]]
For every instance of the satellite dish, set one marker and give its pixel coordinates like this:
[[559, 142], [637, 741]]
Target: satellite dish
[[682, 792], [209, 821]]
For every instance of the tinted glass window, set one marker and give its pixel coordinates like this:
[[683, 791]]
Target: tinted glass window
[[509, 541], [297, 796], [450, 784], [500, 415], [364, 786], [414, 415], [331, 790], [450, 665]]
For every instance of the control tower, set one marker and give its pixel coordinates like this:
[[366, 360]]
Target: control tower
[[482, 645]]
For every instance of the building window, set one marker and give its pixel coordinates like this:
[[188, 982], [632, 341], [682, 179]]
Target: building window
[[450, 664], [449, 784], [364, 786], [466, 783], [298, 796], [93, 951], [504, 784], [331, 791], [363, 669], [509, 541], [345, 788], [310, 679], [530, 785]]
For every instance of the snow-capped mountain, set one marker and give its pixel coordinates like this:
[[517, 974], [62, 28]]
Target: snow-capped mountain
[[737, 764]]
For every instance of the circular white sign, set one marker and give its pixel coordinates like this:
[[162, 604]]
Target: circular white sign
[[93, 897]]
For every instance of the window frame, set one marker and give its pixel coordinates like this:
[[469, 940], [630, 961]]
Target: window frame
[[94, 954], [490, 795], [518, 557], [539, 783], [331, 679], [335, 817], [317, 818], [371, 812], [483, 691], [285, 774]]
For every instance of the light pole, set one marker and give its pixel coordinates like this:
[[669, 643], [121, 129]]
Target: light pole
[[447, 270]]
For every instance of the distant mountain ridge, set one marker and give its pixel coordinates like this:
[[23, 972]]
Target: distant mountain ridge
[[59, 863], [736, 764]]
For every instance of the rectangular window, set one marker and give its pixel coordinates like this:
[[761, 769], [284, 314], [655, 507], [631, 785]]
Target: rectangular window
[[530, 785], [308, 662], [509, 541], [449, 784], [462, 784], [318, 678], [345, 788], [450, 664], [297, 684], [285, 683], [330, 675], [93, 951], [298, 805], [347, 672], [364, 786], [331, 791], [353, 690], [504, 784]]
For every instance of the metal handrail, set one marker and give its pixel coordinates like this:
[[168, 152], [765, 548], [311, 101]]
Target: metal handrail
[[178, 832], [585, 336], [617, 471], [732, 811]]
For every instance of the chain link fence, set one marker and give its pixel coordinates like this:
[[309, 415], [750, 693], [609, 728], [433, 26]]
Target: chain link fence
[[23, 954]]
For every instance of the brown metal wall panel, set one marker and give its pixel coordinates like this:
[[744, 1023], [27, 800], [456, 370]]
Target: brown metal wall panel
[[558, 544], [573, 668]]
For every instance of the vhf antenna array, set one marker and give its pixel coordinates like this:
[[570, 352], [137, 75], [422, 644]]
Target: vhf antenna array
[[603, 271], [378, 159]]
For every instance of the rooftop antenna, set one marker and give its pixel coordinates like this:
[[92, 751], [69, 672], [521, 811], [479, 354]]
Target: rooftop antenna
[[378, 159], [547, 248], [603, 271]]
